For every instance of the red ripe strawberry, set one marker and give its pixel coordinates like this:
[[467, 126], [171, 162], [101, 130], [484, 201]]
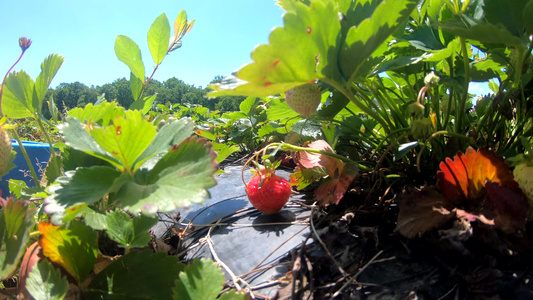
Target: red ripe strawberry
[[304, 99], [268, 193]]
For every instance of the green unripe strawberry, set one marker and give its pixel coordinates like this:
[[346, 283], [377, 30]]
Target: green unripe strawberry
[[523, 174], [431, 80], [304, 99], [416, 110], [5, 151], [421, 128]]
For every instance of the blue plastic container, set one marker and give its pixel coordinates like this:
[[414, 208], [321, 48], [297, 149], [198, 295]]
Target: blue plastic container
[[39, 154]]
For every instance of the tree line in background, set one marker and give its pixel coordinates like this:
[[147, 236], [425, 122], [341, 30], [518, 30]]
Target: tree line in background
[[171, 91]]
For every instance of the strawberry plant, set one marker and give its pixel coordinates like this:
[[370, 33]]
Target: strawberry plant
[[118, 169], [369, 102]]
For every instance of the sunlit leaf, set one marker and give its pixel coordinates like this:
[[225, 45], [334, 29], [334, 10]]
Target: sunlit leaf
[[78, 138], [487, 68], [49, 68], [247, 105], [137, 275], [465, 176], [304, 49], [170, 134], [16, 220], [180, 24], [144, 104], [45, 282], [129, 232], [17, 98], [279, 110], [74, 248], [129, 53], [158, 36], [202, 279], [136, 86], [101, 114], [126, 139], [179, 179]]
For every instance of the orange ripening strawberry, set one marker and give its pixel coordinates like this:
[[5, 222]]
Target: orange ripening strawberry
[[304, 99], [268, 193]]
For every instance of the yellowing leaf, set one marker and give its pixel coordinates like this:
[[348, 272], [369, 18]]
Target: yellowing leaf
[[74, 248]]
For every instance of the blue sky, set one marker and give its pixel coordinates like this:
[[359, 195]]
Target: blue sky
[[84, 32]]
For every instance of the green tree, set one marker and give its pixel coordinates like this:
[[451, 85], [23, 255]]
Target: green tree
[[69, 95]]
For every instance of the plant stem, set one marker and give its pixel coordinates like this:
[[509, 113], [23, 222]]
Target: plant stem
[[290, 147], [4, 81], [27, 158], [49, 140], [348, 94], [460, 112]]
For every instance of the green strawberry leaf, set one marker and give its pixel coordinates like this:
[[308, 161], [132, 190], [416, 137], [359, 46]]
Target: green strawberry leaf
[[45, 282], [129, 53], [74, 248], [137, 275], [121, 143], [506, 14], [171, 133], [16, 221], [136, 86], [526, 16], [280, 110], [180, 24], [54, 111], [129, 232], [144, 104], [363, 40], [101, 114], [158, 36], [224, 151], [487, 68], [303, 50], [202, 279], [95, 219], [78, 138], [178, 179], [126, 139], [488, 33], [85, 185], [49, 68], [17, 99], [181, 28]]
